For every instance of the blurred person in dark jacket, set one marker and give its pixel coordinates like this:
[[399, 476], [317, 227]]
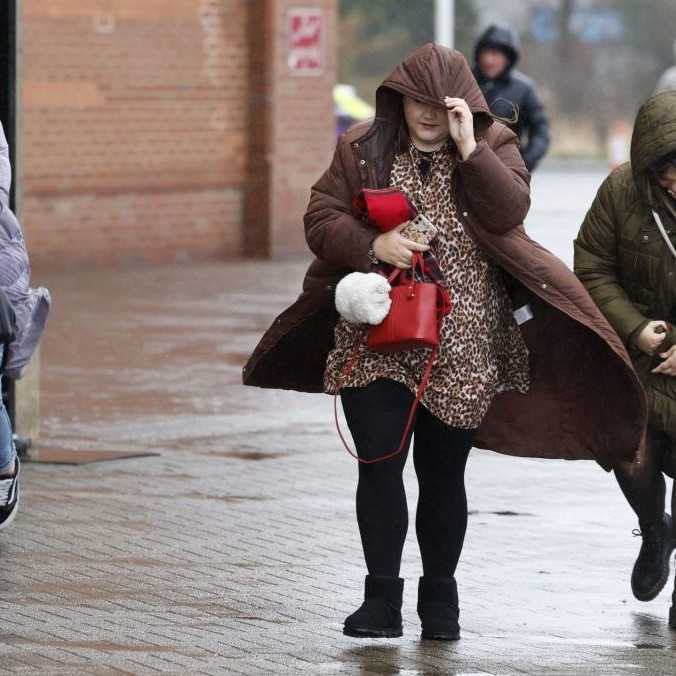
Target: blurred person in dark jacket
[[509, 93]]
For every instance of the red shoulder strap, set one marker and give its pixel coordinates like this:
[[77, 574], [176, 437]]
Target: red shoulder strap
[[411, 414]]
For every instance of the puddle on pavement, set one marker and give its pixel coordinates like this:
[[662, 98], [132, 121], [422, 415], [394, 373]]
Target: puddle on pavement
[[246, 455], [225, 498], [594, 642], [58, 456], [253, 618], [73, 593], [98, 492], [101, 646]]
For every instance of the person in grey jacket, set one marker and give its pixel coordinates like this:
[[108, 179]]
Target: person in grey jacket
[[509, 93], [31, 307]]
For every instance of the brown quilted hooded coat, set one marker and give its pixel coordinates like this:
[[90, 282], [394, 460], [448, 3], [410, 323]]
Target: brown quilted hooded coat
[[585, 399]]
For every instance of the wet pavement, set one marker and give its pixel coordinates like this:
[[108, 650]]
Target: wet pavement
[[235, 550]]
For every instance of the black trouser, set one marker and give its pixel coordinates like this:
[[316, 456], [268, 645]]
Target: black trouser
[[376, 415]]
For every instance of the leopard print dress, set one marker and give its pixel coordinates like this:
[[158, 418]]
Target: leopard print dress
[[481, 351]]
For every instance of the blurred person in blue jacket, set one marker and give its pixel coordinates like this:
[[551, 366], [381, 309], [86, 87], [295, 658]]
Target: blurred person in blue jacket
[[509, 93]]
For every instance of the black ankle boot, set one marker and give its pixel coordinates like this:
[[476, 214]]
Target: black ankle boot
[[651, 570], [438, 608], [380, 614], [672, 610]]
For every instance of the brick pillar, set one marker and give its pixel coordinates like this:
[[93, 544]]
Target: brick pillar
[[292, 123]]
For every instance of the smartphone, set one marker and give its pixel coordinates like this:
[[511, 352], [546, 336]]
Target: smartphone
[[420, 230]]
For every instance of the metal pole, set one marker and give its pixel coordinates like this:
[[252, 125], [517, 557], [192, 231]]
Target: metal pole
[[444, 22]]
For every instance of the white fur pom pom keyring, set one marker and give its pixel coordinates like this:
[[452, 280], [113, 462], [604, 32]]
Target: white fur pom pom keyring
[[363, 298]]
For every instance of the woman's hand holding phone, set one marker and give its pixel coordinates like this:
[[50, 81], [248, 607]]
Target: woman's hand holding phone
[[391, 247]]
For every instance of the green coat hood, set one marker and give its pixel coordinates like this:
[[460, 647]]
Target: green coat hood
[[654, 137]]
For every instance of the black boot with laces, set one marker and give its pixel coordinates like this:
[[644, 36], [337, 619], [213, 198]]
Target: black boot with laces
[[651, 570]]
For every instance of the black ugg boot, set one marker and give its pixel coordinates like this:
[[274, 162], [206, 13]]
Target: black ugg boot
[[651, 570], [438, 608], [380, 614]]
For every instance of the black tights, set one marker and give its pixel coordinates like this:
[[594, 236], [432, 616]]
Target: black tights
[[376, 415], [643, 483]]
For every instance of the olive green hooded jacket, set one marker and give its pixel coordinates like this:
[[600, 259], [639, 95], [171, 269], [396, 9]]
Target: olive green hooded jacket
[[620, 255]]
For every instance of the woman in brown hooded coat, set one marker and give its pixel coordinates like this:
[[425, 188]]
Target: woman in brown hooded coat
[[527, 390]]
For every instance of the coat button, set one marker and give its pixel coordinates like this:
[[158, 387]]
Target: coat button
[[645, 237], [544, 286], [465, 214], [362, 162], [355, 145]]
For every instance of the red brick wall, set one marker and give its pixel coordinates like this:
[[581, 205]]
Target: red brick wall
[[136, 127]]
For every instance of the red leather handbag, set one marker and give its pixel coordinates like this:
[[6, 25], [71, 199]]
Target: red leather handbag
[[412, 322], [414, 313]]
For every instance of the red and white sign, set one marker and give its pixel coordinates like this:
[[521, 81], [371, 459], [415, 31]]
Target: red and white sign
[[305, 40]]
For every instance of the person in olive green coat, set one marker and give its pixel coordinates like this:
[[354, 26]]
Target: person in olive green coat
[[629, 269]]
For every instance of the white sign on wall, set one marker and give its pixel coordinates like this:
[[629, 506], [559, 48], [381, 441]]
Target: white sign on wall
[[305, 40]]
